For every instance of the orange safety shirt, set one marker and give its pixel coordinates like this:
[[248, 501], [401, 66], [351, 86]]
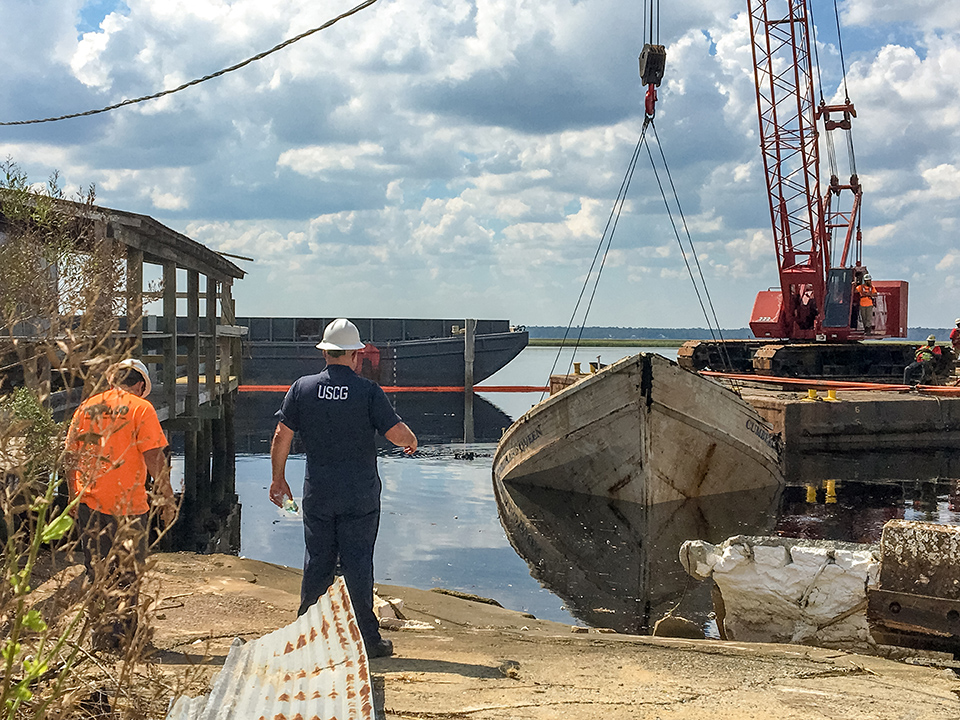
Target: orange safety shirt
[[109, 434], [867, 293]]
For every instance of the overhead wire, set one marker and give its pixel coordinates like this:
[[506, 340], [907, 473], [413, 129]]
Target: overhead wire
[[205, 78]]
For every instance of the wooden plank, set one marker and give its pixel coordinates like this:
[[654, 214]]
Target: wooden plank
[[232, 331]]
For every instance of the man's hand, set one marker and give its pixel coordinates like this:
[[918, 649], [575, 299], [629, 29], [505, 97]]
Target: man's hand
[[402, 436], [278, 491], [279, 450]]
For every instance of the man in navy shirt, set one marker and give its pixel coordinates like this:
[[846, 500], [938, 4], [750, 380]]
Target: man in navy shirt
[[338, 414]]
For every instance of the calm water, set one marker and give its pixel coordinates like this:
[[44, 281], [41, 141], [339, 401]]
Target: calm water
[[440, 525]]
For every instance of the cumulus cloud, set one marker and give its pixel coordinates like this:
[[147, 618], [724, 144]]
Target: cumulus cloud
[[426, 158]]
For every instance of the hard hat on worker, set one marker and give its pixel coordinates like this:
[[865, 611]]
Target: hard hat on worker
[[867, 278], [932, 339], [115, 374], [957, 321], [341, 334]]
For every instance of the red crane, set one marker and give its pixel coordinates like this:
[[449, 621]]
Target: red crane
[[816, 231]]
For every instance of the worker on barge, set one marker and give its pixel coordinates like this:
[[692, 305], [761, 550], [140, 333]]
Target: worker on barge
[[338, 414], [868, 294], [955, 339], [925, 356]]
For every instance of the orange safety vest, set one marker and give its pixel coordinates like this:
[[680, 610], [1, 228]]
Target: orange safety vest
[[867, 293]]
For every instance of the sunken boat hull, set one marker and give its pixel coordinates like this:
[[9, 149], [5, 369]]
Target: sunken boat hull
[[642, 430]]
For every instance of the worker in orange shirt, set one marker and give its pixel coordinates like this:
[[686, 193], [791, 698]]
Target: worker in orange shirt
[[114, 441], [955, 339], [868, 294]]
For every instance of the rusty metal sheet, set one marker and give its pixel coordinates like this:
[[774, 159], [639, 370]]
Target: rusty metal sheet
[[313, 669], [921, 559]]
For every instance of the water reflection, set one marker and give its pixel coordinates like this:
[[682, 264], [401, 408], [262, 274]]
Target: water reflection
[[615, 563]]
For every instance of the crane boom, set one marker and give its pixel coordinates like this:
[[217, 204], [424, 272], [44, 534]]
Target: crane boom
[[816, 299]]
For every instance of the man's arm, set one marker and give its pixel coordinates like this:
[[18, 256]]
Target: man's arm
[[402, 436], [156, 461], [279, 450]]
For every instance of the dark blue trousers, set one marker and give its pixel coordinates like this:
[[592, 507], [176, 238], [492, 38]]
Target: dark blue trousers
[[347, 538]]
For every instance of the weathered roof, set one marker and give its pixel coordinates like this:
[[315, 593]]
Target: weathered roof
[[313, 669], [156, 240]]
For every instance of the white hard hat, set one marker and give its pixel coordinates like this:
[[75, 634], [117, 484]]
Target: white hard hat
[[132, 364], [341, 334], [867, 277], [957, 321]]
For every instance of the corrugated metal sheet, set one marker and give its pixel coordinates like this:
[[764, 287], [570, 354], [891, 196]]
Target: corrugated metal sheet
[[313, 669]]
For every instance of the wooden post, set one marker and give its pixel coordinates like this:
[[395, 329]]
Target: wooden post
[[218, 461], [210, 353], [188, 508], [230, 446], [192, 341], [170, 341], [135, 299], [470, 329], [227, 317], [204, 497]]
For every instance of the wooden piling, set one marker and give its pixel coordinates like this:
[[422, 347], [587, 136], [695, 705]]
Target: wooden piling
[[469, 335]]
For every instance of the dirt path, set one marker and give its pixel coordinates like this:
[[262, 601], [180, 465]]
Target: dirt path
[[485, 663]]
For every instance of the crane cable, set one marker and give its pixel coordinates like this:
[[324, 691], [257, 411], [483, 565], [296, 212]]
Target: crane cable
[[693, 251], [605, 238], [830, 147]]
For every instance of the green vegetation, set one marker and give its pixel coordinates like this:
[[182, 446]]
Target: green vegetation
[[610, 342]]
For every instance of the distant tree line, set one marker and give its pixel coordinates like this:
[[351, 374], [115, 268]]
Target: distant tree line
[[645, 333]]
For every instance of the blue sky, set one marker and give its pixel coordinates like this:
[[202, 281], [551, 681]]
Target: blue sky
[[460, 158]]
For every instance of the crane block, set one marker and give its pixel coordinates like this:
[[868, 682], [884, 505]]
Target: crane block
[[653, 63]]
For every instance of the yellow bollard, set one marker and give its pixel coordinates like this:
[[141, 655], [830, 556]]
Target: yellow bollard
[[811, 395], [831, 396], [576, 368], [811, 493], [831, 492]]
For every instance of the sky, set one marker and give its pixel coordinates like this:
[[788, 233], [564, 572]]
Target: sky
[[461, 158]]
